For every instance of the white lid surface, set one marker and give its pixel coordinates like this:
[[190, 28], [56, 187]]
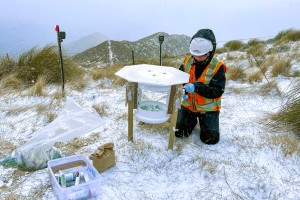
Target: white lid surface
[[153, 75]]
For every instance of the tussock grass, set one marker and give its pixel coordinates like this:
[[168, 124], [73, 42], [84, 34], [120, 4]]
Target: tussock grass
[[7, 65], [287, 36], [236, 73], [229, 57], [287, 118], [256, 76], [287, 143], [10, 82], [45, 62], [6, 147], [257, 50], [50, 116], [106, 72], [78, 85], [270, 88], [163, 127], [281, 67], [254, 42], [38, 87], [234, 45], [101, 109], [41, 109], [269, 61]]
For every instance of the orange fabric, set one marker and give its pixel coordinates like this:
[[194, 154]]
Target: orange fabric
[[196, 102]]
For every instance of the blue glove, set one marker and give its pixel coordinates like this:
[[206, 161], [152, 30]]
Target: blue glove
[[190, 88], [184, 97]]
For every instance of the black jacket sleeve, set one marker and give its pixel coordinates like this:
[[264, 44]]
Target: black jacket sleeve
[[216, 86]]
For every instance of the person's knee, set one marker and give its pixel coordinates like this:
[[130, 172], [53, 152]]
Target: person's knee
[[210, 136]]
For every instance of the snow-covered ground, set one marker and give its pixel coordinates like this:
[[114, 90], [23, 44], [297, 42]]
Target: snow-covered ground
[[244, 165]]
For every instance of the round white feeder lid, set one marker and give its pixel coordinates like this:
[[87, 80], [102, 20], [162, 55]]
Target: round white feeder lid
[[153, 75]]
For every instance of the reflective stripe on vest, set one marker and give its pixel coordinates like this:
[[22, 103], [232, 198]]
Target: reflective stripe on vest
[[195, 102]]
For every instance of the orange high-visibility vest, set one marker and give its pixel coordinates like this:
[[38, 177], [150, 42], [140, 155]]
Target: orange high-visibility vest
[[196, 102]]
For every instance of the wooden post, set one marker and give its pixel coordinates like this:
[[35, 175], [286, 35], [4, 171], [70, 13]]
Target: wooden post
[[131, 99], [175, 101]]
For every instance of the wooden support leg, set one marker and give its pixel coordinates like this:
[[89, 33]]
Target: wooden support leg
[[172, 128], [131, 99], [130, 120], [174, 105]]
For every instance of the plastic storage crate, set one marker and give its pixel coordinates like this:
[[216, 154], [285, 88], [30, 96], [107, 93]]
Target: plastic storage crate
[[80, 163]]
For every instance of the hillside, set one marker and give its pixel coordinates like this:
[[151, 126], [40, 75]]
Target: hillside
[[116, 52]]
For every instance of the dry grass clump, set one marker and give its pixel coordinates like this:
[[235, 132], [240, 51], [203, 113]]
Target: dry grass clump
[[270, 88], [235, 73], [288, 144], [38, 87], [10, 82], [287, 36], [106, 72], [287, 118], [255, 42], [7, 65], [281, 67], [257, 49], [234, 45], [35, 63], [78, 85], [269, 61], [6, 146], [256, 76], [163, 127], [101, 109]]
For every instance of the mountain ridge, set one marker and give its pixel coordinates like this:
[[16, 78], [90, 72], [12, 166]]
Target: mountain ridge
[[112, 52]]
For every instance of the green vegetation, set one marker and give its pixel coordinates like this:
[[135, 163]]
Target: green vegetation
[[234, 45], [289, 35], [34, 63], [287, 118]]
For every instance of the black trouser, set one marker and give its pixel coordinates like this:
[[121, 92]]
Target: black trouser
[[209, 125]]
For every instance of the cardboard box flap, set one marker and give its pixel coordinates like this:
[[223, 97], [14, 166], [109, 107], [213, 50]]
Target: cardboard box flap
[[68, 165]]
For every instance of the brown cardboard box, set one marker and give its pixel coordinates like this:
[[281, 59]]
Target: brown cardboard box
[[104, 157]]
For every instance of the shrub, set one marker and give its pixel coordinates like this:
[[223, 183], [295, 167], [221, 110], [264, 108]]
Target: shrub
[[234, 45]]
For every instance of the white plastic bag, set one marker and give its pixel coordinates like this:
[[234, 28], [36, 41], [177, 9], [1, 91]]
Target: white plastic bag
[[72, 122]]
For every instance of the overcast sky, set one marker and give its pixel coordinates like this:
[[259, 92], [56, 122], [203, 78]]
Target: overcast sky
[[134, 19]]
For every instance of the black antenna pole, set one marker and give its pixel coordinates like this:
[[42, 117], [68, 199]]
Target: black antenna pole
[[60, 37], [132, 56], [161, 40]]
